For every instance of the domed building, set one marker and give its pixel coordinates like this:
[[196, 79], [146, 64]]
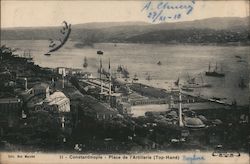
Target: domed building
[[193, 122]]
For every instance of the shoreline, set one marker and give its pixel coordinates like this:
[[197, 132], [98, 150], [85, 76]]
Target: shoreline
[[243, 44]]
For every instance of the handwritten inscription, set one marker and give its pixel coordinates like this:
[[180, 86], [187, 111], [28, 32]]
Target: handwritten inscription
[[193, 158], [167, 10]]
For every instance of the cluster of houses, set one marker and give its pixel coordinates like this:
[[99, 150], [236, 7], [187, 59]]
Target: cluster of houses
[[27, 100]]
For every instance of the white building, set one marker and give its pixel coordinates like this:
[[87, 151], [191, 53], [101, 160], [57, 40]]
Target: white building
[[54, 102]]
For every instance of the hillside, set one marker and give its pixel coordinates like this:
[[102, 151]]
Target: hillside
[[212, 30]]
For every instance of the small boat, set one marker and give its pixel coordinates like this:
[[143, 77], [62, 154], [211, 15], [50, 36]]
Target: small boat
[[241, 61], [237, 56], [47, 54], [159, 63], [99, 52], [214, 73]]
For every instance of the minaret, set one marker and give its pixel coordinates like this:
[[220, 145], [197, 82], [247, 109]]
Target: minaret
[[25, 84], [52, 82], [63, 74], [109, 78], [101, 75], [180, 109], [171, 102], [63, 122]]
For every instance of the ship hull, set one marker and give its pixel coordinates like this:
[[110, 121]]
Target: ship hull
[[214, 74]]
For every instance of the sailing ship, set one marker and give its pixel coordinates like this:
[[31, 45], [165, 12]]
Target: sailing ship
[[215, 72], [148, 77], [177, 82], [27, 55], [123, 71], [85, 64], [242, 83], [135, 78], [191, 83], [119, 68]]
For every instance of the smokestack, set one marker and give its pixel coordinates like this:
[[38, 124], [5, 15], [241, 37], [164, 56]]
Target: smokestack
[[180, 109], [25, 84], [109, 78]]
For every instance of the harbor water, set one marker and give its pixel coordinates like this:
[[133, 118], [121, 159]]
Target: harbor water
[[177, 60]]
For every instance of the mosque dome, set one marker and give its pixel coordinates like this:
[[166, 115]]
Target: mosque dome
[[217, 121], [172, 114], [202, 118], [193, 122]]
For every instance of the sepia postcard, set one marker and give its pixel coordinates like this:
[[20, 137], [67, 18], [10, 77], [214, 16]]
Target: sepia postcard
[[132, 81]]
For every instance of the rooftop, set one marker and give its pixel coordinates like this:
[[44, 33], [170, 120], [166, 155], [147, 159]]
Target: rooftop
[[41, 86], [9, 100], [57, 98]]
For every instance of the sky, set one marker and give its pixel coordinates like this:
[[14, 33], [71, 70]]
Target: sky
[[52, 13]]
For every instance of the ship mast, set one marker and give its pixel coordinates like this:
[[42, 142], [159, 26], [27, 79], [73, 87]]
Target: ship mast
[[29, 56], [109, 78], [216, 67], [180, 109], [101, 75]]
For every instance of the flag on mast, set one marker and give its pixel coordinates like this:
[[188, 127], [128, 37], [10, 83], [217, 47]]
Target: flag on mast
[[109, 78], [101, 75]]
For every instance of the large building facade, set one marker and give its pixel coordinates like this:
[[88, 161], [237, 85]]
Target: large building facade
[[10, 111]]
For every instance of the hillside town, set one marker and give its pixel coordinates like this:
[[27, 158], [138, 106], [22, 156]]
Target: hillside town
[[65, 109]]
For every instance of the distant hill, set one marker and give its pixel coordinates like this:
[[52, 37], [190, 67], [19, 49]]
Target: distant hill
[[212, 30]]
